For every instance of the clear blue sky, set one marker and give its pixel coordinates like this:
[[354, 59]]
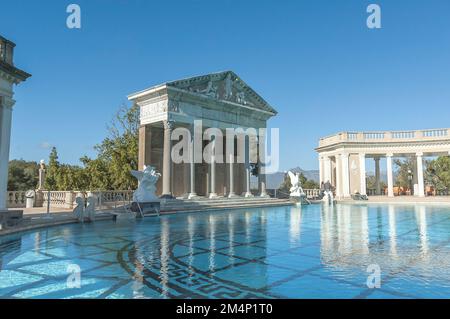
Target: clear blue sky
[[315, 61]]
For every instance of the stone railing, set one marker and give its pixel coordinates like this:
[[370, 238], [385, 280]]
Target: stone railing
[[66, 199], [15, 199], [386, 136], [111, 199], [311, 193]]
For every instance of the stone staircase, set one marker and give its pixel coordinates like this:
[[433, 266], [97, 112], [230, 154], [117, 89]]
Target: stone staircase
[[202, 204]]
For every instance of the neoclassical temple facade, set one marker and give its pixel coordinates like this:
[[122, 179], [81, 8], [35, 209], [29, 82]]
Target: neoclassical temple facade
[[9, 76], [342, 157], [220, 100]]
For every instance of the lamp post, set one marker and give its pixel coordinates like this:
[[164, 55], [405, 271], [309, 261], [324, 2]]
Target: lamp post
[[410, 178]]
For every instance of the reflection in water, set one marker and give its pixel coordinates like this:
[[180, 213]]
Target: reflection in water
[[345, 236], [422, 225], [212, 242], [392, 231], [231, 234], [247, 217], [138, 286], [295, 224], [191, 232], [165, 255]]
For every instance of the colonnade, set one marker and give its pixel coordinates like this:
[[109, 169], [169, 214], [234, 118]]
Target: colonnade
[[338, 170], [167, 179]]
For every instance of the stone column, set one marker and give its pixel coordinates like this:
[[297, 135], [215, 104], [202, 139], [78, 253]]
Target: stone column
[[212, 193], [262, 182], [339, 192], [390, 178], [377, 176], [167, 161], [362, 172], [231, 192], [144, 146], [5, 134], [327, 170], [261, 162], [345, 175], [420, 181], [248, 192], [192, 192]]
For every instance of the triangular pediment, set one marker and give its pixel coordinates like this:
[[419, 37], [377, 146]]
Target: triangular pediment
[[224, 86]]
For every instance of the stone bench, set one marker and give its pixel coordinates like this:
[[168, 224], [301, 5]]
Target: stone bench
[[10, 218]]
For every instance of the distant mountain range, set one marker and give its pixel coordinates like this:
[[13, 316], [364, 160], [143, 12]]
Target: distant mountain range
[[273, 181]]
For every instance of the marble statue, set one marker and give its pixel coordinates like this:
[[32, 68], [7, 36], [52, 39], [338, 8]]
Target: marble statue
[[89, 211], [296, 188], [228, 87], [79, 209], [147, 185], [296, 191], [85, 213]]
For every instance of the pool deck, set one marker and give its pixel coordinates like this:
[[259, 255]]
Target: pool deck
[[401, 200], [37, 217]]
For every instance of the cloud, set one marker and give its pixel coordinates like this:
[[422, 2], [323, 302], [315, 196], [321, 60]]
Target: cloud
[[45, 145]]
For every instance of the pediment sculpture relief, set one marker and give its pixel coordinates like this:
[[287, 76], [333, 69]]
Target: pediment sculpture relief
[[222, 89]]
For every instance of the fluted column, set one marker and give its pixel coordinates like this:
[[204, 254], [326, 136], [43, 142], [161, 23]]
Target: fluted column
[[420, 181], [192, 192], [345, 175], [362, 172], [261, 163], [167, 161], [377, 176], [212, 193], [231, 192], [327, 170], [5, 134], [247, 193], [339, 192], [262, 184], [390, 178]]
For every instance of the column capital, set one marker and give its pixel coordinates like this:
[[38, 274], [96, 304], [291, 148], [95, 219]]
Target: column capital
[[168, 125], [419, 154], [389, 154], [7, 102]]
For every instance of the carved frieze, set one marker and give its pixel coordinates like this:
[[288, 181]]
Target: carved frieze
[[227, 89]]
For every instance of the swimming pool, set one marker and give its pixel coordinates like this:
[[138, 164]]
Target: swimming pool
[[284, 252]]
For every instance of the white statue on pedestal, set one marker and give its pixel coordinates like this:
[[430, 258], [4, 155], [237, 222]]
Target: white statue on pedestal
[[296, 188], [147, 185]]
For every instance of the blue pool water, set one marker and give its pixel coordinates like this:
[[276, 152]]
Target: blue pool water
[[285, 252]]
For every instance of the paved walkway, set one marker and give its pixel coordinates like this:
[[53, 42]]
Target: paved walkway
[[37, 217]]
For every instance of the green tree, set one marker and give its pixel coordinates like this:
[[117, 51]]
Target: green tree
[[96, 173], [119, 150], [22, 175], [437, 173], [404, 168], [52, 171]]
